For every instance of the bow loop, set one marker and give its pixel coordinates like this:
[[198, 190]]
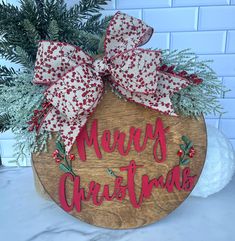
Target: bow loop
[[76, 92], [124, 33], [55, 59], [101, 67], [136, 70]]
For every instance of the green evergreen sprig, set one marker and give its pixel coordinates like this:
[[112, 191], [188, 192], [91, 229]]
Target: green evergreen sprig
[[111, 172], [86, 9], [195, 100], [5, 122], [6, 75], [22, 27]]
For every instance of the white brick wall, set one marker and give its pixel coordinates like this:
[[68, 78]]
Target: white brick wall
[[206, 26]]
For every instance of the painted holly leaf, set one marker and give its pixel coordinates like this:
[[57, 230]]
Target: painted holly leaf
[[185, 139], [64, 168], [190, 144], [182, 147], [184, 161], [111, 172], [60, 147]]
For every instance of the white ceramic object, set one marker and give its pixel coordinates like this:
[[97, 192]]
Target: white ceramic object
[[219, 166]]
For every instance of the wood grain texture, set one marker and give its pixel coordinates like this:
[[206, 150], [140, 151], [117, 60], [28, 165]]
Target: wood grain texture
[[114, 113]]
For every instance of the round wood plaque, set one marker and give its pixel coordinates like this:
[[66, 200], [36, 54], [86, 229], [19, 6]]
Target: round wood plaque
[[152, 181]]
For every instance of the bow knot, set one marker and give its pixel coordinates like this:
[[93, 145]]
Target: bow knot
[[101, 67], [75, 79]]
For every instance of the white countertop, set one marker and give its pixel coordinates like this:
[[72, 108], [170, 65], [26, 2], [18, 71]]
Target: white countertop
[[25, 216]]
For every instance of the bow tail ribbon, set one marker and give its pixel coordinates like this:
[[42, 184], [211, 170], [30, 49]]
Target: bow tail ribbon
[[136, 75], [68, 130]]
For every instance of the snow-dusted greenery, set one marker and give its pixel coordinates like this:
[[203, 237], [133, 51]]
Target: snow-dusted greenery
[[18, 99], [195, 99]]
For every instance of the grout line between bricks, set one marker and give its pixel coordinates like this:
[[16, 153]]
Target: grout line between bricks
[[170, 40], [232, 98], [7, 139], [219, 123], [198, 17], [195, 31], [215, 118], [223, 54], [174, 7], [226, 42]]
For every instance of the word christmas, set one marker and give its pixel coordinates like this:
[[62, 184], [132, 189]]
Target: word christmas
[[181, 180], [177, 178]]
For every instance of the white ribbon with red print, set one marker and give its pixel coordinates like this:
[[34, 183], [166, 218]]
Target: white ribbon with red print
[[76, 84]]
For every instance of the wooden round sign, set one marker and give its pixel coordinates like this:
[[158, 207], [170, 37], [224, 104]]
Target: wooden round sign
[[132, 167]]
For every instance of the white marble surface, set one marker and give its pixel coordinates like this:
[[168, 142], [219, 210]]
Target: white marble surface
[[24, 216]]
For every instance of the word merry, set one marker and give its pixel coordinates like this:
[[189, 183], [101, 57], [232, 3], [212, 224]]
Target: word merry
[[117, 141], [176, 178]]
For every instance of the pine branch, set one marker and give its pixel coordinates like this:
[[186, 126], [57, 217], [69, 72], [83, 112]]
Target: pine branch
[[86, 8], [13, 22], [6, 49], [6, 75], [9, 16], [40, 5], [36, 20], [4, 122], [23, 58], [53, 30], [31, 32], [95, 25]]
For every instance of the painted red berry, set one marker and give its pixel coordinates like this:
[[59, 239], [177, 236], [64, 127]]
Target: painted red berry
[[191, 154], [180, 152], [72, 157], [192, 150], [55, 153], [57, 160]]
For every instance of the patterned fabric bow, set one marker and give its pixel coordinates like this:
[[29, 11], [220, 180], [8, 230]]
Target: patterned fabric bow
[[76, 84]]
